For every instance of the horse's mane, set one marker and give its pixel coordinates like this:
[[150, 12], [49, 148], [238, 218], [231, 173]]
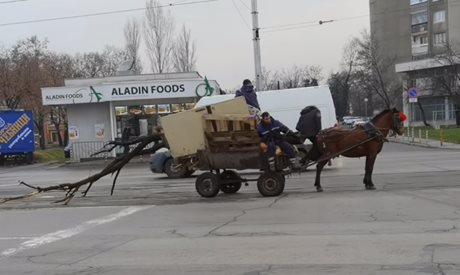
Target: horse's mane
[[382, 113]]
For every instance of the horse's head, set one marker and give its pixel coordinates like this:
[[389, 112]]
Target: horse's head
[[397, 124], [390, 119]]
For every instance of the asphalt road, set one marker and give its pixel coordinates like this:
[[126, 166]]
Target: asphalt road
[[155, 225]]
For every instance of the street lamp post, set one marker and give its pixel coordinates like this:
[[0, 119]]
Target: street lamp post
[[365, 105]]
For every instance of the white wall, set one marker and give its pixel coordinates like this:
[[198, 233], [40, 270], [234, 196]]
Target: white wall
[[85, 116]]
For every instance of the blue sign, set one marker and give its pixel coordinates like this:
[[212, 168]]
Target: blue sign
[[16, 132], [412, 92]]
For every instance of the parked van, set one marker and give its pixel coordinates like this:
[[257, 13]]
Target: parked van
[[285, 105]]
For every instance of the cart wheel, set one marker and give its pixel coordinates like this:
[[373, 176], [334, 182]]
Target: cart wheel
[[230, 182], [207, 185], [173, 172], [270, 184]]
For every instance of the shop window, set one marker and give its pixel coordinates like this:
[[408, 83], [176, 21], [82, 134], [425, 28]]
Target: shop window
[[164, 108], [121, 110], [135, 110], [189, 106], [439, 17], [176, 108], [150, 109]]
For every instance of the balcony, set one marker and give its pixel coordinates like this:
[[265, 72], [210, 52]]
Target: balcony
[[419, 28], [419, 49]]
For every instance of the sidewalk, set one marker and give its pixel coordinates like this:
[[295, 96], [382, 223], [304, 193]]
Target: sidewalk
[[422, 142]]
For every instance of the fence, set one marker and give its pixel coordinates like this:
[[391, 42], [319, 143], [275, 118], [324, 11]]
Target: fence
[[83, 150]]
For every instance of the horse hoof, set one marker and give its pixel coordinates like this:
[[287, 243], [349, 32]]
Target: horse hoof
[[370, 187], [319, 189]]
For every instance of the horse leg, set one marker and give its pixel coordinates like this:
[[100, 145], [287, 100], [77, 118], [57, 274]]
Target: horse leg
[[319, 168], [370, 160]]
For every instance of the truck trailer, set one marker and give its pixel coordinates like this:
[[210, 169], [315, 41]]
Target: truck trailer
[[16, 136]]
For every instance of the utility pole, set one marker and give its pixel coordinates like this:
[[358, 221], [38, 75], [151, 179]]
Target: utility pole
[[256, 39]]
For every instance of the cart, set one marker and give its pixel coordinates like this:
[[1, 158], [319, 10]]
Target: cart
[[222, 139]]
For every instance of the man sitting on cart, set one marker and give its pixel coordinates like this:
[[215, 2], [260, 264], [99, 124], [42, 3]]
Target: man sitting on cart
[[270, 131]]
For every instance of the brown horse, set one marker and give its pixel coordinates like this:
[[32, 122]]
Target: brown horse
[[363, 140]]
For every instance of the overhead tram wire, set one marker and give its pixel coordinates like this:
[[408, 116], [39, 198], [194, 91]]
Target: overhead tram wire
[[244, 4], [308, 24], [102, 13], [12, 1], [241, 15]]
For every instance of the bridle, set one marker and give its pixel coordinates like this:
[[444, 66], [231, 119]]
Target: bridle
[[396, 123]]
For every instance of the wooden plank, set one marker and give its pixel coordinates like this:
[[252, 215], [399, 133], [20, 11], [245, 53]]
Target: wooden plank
[[240, 117]]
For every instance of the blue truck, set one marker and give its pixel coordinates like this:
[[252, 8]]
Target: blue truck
[[17, 140]]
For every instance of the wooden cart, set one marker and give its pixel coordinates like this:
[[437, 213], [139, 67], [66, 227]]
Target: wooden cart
[[221, 139], [232, 144]]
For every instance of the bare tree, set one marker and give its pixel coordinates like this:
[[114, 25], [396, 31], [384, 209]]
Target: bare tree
[[184, 52], [159, 35], [340, 83], [9, 86], [95, 64], [132, 40], [376, 73]]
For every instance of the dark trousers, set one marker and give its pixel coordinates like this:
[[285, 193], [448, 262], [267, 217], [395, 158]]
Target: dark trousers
[[314, 153], [285, 147]]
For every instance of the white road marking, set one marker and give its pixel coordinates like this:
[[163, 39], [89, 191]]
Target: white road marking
[[15, 238], [70, 232]]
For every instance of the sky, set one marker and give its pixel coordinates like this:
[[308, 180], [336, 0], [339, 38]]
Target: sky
[[221, 30]]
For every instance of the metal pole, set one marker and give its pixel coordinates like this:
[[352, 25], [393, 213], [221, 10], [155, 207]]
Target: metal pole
[[256, 39]]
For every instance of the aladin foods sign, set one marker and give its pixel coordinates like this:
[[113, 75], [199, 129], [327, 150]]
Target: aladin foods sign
[[128, 91]]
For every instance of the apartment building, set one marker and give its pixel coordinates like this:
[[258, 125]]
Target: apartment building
[[415, 33]]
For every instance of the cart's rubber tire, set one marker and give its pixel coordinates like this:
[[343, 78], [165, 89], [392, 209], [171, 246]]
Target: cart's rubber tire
[[169, 164], [207, 185], [230, 182], [271, 184]]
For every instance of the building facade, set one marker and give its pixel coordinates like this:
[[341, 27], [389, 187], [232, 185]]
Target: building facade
[[102, 109], [416, 33]]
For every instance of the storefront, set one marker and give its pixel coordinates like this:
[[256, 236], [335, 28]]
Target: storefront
[[101, 109]]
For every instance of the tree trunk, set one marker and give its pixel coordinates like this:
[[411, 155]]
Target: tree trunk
[[422, 112]]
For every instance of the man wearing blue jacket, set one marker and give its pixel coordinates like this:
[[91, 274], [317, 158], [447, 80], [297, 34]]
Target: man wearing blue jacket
[[270, 132], [247, 90]]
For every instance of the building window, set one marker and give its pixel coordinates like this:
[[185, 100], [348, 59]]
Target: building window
[[415, 2], [439, 16], [440, 38], [419, 40], [419, 18]]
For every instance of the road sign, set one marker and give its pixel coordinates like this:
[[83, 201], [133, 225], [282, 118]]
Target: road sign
[[412, 94]]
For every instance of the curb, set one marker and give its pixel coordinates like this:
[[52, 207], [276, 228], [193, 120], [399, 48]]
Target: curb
[[447, 146]]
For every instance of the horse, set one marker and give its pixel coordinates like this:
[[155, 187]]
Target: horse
[[363, 140]]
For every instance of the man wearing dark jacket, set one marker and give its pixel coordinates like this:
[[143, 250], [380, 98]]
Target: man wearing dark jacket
[[309, 125], [270, 132], [247, 90]]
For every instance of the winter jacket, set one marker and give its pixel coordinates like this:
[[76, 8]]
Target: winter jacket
[[249, 95], [272, 131], [309, 123]]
